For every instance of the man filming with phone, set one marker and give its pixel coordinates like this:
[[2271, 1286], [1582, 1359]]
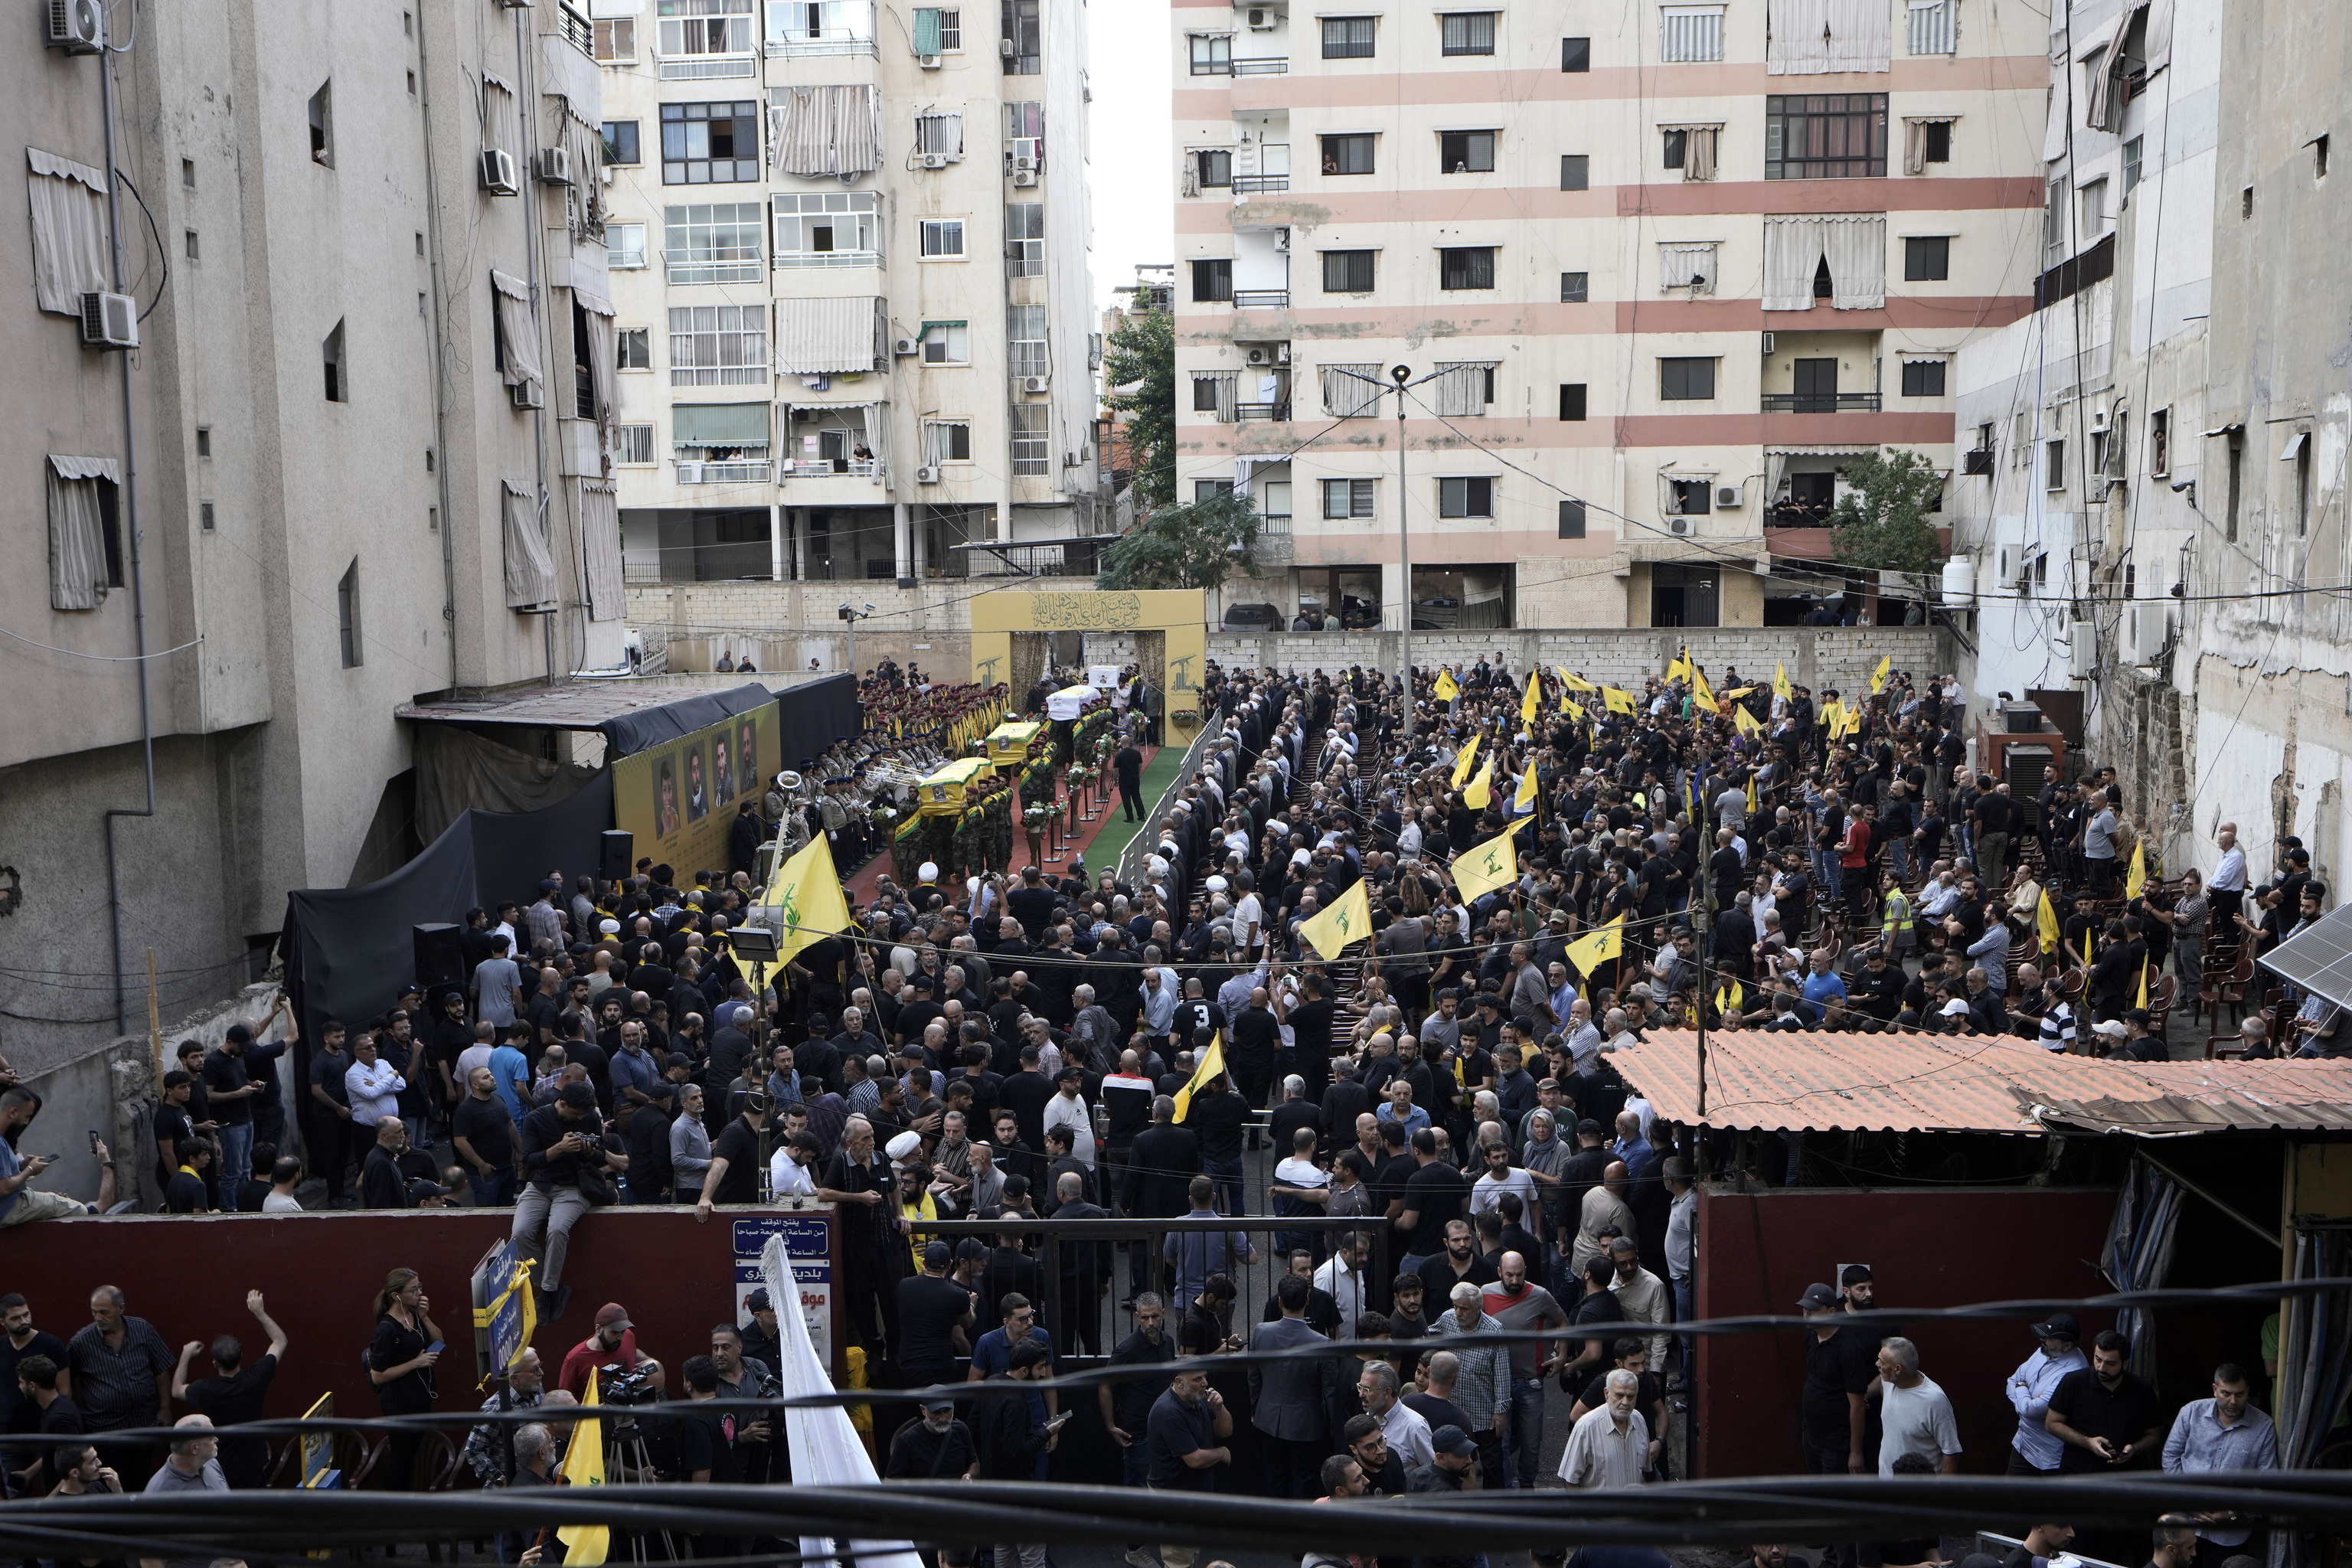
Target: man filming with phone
[[614, 1343]]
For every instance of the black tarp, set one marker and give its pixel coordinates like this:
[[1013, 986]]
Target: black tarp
[[813, 716], [633, 732]]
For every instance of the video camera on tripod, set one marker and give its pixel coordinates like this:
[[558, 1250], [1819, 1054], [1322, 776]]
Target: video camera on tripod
[[619, 1386]]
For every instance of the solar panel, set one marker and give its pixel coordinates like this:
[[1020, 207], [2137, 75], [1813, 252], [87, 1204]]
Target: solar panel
[[2320, 959]]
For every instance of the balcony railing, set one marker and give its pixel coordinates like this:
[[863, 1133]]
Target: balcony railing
[[810, 43], [1261, 299], [1261, 68], [785, 258], [1065, 557], [1261, 412], [577, 31], [1274, 541], [685, 267], [732, 472], [1821, 402], [707, 67], [830, 468], [1259, 184]]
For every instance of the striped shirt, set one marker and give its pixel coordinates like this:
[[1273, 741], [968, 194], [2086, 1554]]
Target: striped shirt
[[2057, 1027]]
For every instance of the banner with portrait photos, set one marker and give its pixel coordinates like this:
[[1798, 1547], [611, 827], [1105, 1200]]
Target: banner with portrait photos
[[680, 798]]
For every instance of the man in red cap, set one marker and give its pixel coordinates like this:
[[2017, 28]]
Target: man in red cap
[[615, 1340]]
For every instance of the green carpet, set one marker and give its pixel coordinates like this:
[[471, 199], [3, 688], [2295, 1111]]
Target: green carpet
[[1117, 831]]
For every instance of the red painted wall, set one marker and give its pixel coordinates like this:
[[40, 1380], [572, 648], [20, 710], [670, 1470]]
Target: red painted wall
[[1926, 1248]]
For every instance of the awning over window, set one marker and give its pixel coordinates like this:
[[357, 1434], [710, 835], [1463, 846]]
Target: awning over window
[[600, 548], [822, 337], [518, 359], [1811, 37], [70, 250], [815, 130], [1854, 244], [719, 425], [529, 569]]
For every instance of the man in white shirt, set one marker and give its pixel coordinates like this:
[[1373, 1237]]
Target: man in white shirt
[[1341, 1278], [373, 1084], [1501, 1176], [1066, 1109], [1609, 1448], [1404, 1429], [790, 1169], [1915, 1413]]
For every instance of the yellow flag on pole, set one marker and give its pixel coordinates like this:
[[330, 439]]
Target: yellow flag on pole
[[1483, 868], [2136, 878], [1878, 676], [1744, 721], [1832, 718], [1526, 798], [1780, 688], [1591, 952], [1462, 763], [1480, 790], [1700, 689], [1618, 701], [584, 1466], [1677, 670], [1532, 703], [1571, 708], [1205, 1072], [1573, 683], [1736, 696], [1448, 687], [1752, 785], [1348, 920], [2045, 922], [2143, 984], [807, 900]]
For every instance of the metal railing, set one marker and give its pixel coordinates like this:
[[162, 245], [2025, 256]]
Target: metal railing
[[1261, 412], [830, 468], [707, 67], [1259, 184], [1821, 402], [732, 472], [806, 43], [1261, 299], [1063, 558], [577, 31], [1261, 68], [1273, 538], [681, 266]]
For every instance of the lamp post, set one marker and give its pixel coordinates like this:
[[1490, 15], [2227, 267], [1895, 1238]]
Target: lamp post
[[851, 615], [1402, 375]]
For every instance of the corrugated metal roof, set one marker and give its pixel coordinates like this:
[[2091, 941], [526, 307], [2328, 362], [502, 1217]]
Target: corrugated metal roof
[[1944, 1083]]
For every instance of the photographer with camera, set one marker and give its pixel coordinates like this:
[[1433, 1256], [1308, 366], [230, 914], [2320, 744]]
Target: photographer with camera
[[563, 1160], [612, 1351]]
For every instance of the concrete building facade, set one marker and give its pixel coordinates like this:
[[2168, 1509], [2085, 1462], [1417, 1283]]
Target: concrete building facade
[[849, 260], [1654, 286], [329, 478]]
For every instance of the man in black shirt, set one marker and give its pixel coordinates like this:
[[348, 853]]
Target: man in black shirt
[[937, 1447], [873, 1253], [1218, 1114], [935, 1319], [735, 1163], [1434, 1195], [19, 1412], [1840, 1363], [558, 1141], [1125, 1404], [1024, 1094], [235, 1395], [2107, 1418], [484, 1136], [1032, 904], [706, 1446]]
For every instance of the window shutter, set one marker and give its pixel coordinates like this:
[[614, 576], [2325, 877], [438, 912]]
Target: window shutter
[[927, 30], [530, 570], [69, 249]]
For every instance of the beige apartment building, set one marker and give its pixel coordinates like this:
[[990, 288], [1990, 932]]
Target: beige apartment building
[[1654, 287]]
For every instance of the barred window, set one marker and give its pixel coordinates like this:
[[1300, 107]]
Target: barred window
[[1347, 498], [718, 346], [1466, 267], [1032, 439]]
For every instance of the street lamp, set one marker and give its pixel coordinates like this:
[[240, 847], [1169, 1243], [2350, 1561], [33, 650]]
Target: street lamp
[[1402, 375], [852, 615]]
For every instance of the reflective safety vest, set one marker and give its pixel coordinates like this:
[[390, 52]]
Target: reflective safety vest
[[1899, 913]]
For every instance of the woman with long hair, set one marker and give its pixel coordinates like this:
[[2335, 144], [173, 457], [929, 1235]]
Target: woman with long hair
[[400, 1365]]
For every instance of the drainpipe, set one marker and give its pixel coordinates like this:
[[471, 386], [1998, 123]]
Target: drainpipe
[[440, 340], [129, 499], [546, 344]]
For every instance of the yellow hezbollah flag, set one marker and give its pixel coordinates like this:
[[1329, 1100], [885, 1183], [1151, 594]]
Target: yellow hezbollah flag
[[2136, 878], [1781, 681], [1618, 701], [2045, 922], [1573, 683], [1532, 702], [1736, 696], [1700, 689], [1525, 799], [1447, 690], [1210, 1066], [809, 905], [584, 1466], [1677, 669], [1483, 868], [1745, 722], [1571, 708], [2143, 984], [1346, 921], [1878, 676], [1751, 784], [1481, 789], [1462, 763], [1832, 718], [1589, 953], [1731, 998]]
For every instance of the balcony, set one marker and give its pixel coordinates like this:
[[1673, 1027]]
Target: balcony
[[816, 43], [1261, 68], [577, 30], [783, 259], [1820, 403], [1274, 539], [1260, 184], [1261, 299], [1261, 412], [829, 468], [735, 471], [707, 67], [689, 266]]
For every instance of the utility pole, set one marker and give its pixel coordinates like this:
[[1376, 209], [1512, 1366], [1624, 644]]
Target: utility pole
[[1402, 373]]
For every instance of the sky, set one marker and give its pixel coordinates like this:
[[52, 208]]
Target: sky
[[1128, 150]]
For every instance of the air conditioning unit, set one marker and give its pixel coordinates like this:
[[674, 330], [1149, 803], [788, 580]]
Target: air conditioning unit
[[1683, 527], [1730, 498], [1282, 353], [1282, 241], [77, 27], [2146, 628], [1034, 382], [1071, 460], [516, 4], [498, 173], [935, 160], [1767, 344], [928, 62], [1260, 356], [927, 475], [528, 395], [553, 166], [1004, 48], [904, 346], [1025, 177], [110, 321], [1979, 462], [1263, 20]]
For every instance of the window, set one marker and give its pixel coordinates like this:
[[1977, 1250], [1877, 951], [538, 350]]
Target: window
[[937, 32], [1350, 155], [621, 141], [1024, 135], [1670, 154], [1467, 33], [1923, 378], [85, 531], [1463, 388], [1826, 136], [1020, 18], [1213, 168], [2246, 204], [1465, 152], [188, 172], [1352, 391], [709, 143], [941, 238], [1689, 498], [947, 343], [1687, 265], [1571, 401], [2160, 443], [1213, 54], [1571, 520], [2095, 209], [2131, 166], [2054, 223], [1575, 55], [1466, 267], [719, 345], [625, 245], [828, 229], [715, 242], [616, 41], [2054, 471], [346, 614], [1690, 34], [1348, 37], [1473, 497], [1348, 271], [633, 349], [691, 31], [1212, 281], [1575, 172], [1574, 288], [204, 516], [331, 354], [412, 84], [632, 444], [1205, 394], [1032, 439], [1936, 142], [2298, 451], [322, 126], [938, 135], [1209, 489], [2237, 440], [1686, 380], [203, 440], [2319, 157], [1024, 334], [1347, 498], [948, 440], [1926, 258], [188, 243], [1935, 26]]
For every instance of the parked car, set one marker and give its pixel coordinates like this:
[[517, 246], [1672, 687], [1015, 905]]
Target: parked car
[[1258, 617]]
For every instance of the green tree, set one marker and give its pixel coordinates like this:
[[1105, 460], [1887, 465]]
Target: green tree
[[1197, 544], [1880, 523], [1140, 369]]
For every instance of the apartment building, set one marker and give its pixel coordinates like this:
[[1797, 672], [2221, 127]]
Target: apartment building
[[848, 253], [1656, 272], [291, 314]]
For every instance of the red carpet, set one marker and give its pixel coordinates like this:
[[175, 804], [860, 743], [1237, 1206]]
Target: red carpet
[[862, 884]]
